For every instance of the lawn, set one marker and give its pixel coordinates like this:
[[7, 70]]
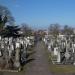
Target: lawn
[[62, 68]]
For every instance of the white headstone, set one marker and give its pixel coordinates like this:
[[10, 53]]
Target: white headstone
[[56, 51], [67, 55], [17, 45], [0, 37], [12, 47], [0, 53], [58, 57]]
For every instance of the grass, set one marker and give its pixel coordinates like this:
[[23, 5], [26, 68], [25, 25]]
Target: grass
[[62, 68]]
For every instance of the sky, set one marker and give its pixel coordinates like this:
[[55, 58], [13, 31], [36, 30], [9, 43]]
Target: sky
[[39, 14]]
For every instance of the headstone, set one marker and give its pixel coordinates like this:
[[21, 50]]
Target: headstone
[[17, 63], [56, 51], [17, 45], [58, 57], [49, 47], [67, 55], [0, 53], [12, 47], [0, 37]]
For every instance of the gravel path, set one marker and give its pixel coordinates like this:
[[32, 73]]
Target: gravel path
[[40, 65]]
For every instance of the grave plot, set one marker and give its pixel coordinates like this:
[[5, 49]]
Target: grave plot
[[13, 52], [62, 49]]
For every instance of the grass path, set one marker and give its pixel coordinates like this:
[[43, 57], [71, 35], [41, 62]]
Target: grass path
[[40, 65]]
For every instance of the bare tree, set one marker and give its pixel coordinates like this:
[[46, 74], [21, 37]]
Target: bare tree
[[54, 29], [5, 18], [27, 31], [2, 22], [67, 30], [4, 11]]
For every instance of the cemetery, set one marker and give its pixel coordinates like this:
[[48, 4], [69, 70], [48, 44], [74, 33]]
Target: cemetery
[[35, 51], [62, 49], [13, 52]]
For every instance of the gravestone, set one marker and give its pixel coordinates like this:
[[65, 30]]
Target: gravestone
[[56, 51], [17, 56], [58, 57]]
